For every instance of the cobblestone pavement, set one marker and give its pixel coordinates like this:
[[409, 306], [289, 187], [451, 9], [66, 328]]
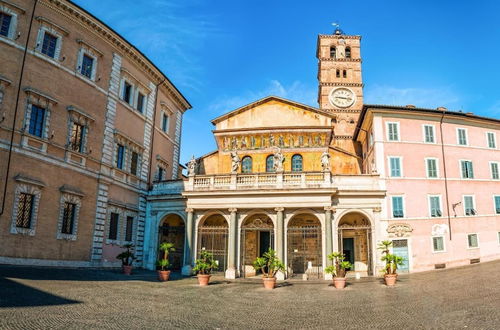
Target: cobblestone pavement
[[30, 298]]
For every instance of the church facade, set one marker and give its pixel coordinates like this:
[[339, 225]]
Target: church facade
[[344, 176]]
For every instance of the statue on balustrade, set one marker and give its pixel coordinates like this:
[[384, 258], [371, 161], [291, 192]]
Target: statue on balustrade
[[191, 165], [325, 161], [235, 162], [278, 160]]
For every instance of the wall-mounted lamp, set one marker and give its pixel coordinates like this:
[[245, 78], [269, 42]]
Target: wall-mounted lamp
[[51, 135], [454, 206], [3, 117], [18, 35]]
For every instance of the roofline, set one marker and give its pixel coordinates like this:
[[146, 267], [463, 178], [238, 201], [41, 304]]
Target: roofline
[[466, 115], [266, 99], [189, 106]]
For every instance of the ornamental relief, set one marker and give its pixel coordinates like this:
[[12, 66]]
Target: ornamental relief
[[399, 230], [264, 141]]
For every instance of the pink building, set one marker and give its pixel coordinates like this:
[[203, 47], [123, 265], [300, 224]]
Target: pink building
[[441, 170]]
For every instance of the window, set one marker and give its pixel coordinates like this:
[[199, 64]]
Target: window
[[467, 170], [76, 139], [270, 163], [432, 170], [129, 228], [37, 118], [5, 20], [333, 53], [119, 156], [296, 163], [429, 134], [469, 205], [49, 44], [164, 123], [397, 207], [246, 164], [435, 206], [497, 204], [438, 244], [472, 241], [494, 171], [86, 68], [393, 131], [140, 102], [127, 92], [338, 73], [462, 136], [113, 226], [161, 173], [134, 161], [24, 210], [68, 218], [344, 73], [395, 166], [348, 52], [492, 143]]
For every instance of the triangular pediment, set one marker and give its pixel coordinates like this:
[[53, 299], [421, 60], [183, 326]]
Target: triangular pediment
[[273, 111]]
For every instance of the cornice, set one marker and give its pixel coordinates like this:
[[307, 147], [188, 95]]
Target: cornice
[[78, 15], [329, 59], [337, 36], [341, 84]]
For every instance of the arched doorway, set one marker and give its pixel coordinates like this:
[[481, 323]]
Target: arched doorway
[[212, 236], [354, 233], [304, 252], [257, 236], [172, 230]]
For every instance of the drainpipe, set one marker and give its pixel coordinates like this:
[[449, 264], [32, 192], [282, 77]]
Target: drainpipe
[[153, 134], [9, 157], [445, 174]]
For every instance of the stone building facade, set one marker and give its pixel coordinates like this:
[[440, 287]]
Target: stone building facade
[[307, 181], [87, 124]]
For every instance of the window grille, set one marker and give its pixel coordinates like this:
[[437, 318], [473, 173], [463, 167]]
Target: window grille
[[76, 140], [68, 218], [24, 210]]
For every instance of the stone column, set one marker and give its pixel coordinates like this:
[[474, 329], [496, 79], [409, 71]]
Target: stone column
[[188, 253], [231, 255], [280, 239], [328, 238]]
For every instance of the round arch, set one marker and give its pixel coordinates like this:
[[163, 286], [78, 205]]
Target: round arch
[[213, 234], [172, 229], [304, 244], [354, 230]]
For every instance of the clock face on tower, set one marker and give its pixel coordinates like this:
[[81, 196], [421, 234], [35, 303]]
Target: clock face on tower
[[342, 97]]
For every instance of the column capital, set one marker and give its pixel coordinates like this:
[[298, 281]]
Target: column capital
[[377, 209], [330, 208], [233, 210], [279, 209], [189, 210]]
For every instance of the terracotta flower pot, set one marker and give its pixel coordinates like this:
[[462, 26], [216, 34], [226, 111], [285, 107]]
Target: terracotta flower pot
[[163, 275], [390, 279], [203, 279], [339, 282], [269, 282], [127, 270]]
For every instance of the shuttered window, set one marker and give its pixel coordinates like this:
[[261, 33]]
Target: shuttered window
[[467, 170], [397, 207], [393, 131], [395, 166], [435, 206], [429, 134]]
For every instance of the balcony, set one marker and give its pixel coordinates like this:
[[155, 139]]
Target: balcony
[[270, 181]]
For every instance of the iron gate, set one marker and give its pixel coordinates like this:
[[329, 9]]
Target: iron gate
[[175, 235], [214, 240], [304, 250]]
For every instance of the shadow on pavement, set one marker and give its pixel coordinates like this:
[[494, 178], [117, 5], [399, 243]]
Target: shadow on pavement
[[15, 294]]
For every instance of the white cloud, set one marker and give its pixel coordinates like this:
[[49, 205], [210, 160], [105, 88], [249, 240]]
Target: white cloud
[[420, 97], [296, 91]]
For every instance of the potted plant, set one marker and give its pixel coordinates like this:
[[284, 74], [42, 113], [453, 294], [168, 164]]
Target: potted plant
[[127, 257], [392, 262], [163, 273], [338, 269], [204, 266], [269, 264]]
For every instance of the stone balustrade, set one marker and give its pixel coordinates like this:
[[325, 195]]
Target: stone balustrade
[[263, 181]]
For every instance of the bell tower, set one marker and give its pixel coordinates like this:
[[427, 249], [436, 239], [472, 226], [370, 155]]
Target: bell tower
[[339, 75]]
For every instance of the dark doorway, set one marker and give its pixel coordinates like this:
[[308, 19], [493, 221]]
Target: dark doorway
[[348, 246], [172, 231], [264, 242]]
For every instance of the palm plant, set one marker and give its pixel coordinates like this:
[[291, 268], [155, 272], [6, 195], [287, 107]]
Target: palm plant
[[340, 266], [166, 248], [205, 264], [127, 257], [269, 264], [392, 261]]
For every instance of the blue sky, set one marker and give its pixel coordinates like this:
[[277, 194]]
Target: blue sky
[[225, 54]]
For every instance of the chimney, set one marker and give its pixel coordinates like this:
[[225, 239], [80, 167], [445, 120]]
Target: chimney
[[410, 106], [441, 108]]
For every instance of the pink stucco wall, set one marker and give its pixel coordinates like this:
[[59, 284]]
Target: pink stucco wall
[[415, 187]]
